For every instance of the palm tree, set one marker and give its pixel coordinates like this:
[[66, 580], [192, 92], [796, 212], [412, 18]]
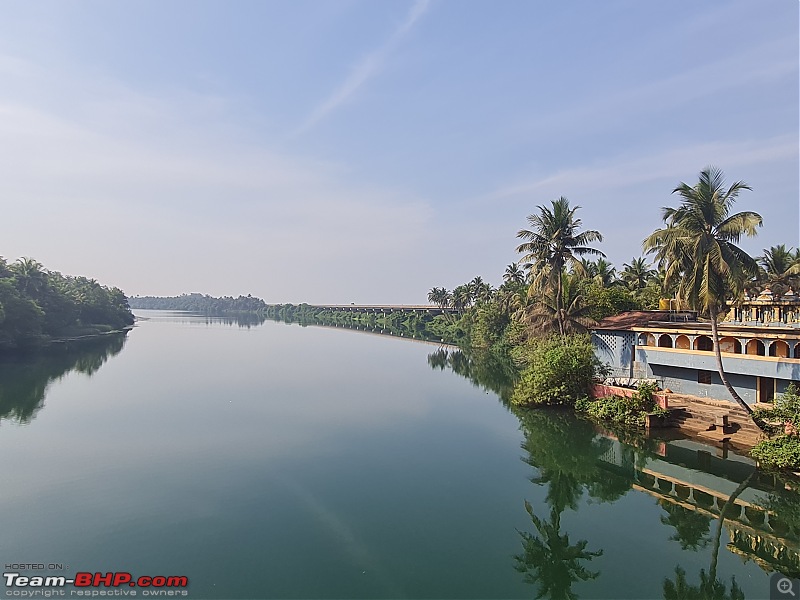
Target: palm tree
[[698, 249], [514, 274], [781, 268], [30, 275], [439, 296], [544, 315], [637, 274], [461, 297], [553, 243]]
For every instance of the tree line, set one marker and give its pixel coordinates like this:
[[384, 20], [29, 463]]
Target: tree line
[[562, 284], [200, 303], [38, 305]]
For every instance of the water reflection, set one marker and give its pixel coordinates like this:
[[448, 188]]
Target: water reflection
[[548, 559], [710, 586], [710, 498], [485, 369], [692, 529], [243, 320], [566, 454], [24, 378]]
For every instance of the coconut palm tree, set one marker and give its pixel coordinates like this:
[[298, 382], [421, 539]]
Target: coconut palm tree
[[554, 242], [780, 268], [461, 297], [30, 275], [637, 274], [439, 296], [698, 250], [514, 274], [544, 315], [600, 271]]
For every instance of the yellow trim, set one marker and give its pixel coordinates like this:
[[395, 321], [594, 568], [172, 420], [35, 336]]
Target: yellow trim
[[790, 361], [750, 334]]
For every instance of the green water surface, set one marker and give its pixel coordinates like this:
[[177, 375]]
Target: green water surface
[[278, 461]]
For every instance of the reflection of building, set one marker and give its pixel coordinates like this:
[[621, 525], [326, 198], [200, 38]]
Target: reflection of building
[[759, 342], [691, 477]]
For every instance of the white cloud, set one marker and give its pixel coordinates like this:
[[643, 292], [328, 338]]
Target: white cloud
[[368, 67]]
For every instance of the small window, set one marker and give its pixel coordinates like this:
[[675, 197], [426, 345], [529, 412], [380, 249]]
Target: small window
[[704, 377]]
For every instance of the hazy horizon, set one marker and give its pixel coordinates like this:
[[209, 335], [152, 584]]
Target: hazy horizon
[[353, 151]]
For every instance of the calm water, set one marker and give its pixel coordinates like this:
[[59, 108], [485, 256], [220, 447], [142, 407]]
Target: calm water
[[276, 461]]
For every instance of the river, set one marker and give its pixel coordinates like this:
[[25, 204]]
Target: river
[[278, 461]]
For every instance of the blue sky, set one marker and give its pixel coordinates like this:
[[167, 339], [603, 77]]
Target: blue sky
[[365, 151]]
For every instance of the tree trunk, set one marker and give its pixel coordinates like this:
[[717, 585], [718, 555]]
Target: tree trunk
[[718, 355], [728, 503], [560, 301]]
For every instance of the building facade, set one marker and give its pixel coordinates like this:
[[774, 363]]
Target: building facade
[[759, 343]]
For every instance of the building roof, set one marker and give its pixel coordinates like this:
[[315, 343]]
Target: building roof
[[633, 318]]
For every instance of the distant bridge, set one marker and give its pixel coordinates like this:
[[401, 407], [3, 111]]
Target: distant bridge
[[388, 308]]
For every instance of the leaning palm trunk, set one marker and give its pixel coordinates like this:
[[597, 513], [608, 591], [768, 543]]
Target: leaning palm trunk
[[560, 302], [718, 355], [728, 503]]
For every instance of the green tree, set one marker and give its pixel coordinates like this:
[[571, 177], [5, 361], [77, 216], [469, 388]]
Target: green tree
[[545, 316], [698, 249], [553, 243], [439, 296], [29, 275], [780, 268], [637, 274], [514, 274]]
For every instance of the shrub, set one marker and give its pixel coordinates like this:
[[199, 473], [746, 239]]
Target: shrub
[[786, 409], [625, 411], [782, 452], [559, 371]]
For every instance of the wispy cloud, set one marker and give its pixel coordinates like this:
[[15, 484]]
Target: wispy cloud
[[367, 68], [754, 66], [667, 163]]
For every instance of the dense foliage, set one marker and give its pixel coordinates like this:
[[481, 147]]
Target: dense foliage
[[559, 371], [439, 328], [782, 451], [37, 305], [200, 303], [622, 410]]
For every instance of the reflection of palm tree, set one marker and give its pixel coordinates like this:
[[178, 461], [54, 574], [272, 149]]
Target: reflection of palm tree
[[710, 587], [691, 527], [566, 453], [550, 561]]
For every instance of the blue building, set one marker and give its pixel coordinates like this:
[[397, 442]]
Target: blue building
[[759, 343]]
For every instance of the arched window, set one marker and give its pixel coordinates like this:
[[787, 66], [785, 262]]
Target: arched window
[[730, 345], [682, 342], [703, 342], [755, 347], [779, 348], [664, 341], [651, 340]]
